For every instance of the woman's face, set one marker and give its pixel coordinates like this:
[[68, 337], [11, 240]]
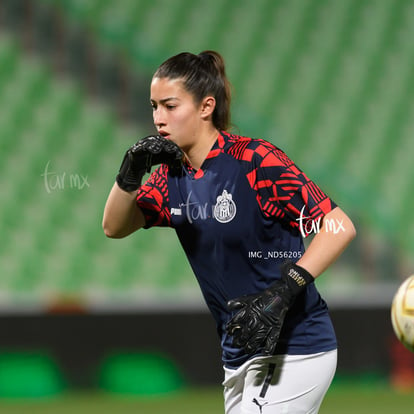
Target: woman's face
[[176, 115]]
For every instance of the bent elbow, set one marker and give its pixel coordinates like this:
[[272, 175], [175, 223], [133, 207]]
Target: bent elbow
[[114, 232], [111, 235], [352, 232], [349, 232], [110, 232]]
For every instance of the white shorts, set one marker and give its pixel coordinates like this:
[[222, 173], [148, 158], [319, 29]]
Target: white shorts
[[294, 384]]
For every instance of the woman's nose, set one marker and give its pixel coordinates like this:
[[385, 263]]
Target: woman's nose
[[158, 118]]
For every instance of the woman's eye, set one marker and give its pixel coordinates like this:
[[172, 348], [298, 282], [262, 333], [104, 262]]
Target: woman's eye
[[170, 107]]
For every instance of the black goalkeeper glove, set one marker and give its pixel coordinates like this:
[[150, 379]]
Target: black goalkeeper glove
[[257, 324], [139, 159]]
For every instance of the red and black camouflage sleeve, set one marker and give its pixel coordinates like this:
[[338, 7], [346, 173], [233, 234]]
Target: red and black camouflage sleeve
[[153, 200], [285, 192]]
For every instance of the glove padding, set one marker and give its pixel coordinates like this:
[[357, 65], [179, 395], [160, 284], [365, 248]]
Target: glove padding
[[257, 324], [149, 151]]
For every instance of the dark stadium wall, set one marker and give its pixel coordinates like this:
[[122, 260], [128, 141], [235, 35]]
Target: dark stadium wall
[[80, 342]]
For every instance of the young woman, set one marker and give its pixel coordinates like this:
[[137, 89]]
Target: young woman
[[240, 208]]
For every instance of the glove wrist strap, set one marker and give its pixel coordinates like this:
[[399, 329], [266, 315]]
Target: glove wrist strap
[[127, 186], [296, 277], [129, 178]]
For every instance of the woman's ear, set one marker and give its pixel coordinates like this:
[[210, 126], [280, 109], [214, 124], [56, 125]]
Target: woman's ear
[[208, 105]]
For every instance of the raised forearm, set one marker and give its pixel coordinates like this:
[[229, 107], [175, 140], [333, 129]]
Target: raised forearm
[[336, 232], [121, 215]]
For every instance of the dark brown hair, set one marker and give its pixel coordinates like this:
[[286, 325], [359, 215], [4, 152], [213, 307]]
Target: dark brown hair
[[203, 75]]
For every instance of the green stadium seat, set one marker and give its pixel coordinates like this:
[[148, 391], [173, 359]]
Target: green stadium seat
[[83, 11]]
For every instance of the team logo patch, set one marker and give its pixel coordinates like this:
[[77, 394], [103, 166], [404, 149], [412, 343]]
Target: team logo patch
[[225, 209]]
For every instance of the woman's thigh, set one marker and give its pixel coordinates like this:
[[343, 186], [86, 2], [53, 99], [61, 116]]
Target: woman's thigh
[[280, 384]]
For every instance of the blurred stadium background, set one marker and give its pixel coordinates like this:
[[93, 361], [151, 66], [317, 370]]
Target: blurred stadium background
[[328, 81]]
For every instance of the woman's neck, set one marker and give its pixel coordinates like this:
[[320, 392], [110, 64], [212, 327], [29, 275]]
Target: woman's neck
[[198, 152]]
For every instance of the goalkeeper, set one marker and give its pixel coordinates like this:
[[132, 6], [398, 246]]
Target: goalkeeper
[[240, 208]]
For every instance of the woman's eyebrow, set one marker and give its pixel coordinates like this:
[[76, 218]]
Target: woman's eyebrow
[[164, 100]]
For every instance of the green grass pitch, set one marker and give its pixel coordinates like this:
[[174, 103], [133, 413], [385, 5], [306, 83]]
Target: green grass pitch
[[339, 400]]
